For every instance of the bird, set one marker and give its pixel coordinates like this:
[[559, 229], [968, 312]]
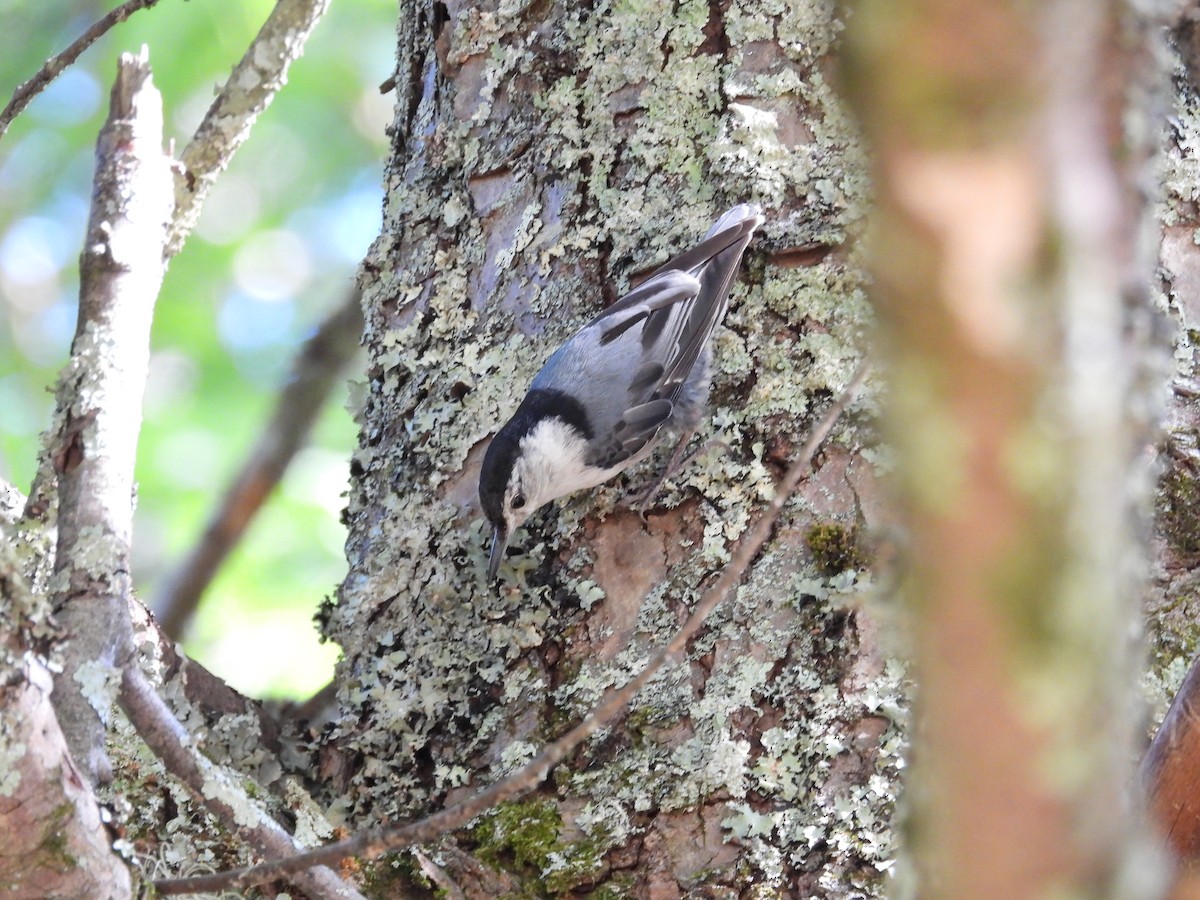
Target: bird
[[606, 397]]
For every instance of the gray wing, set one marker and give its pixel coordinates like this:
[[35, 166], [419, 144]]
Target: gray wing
[[631, 363]]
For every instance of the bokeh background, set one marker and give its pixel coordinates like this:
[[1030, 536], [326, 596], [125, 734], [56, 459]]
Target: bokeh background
[[275, 250]]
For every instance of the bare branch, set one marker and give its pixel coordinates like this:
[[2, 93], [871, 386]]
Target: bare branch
[[251, 87], [221, 794], [99, 409], [25, 93], [375, 841], [315, 373], [207, 697], [100, 406]]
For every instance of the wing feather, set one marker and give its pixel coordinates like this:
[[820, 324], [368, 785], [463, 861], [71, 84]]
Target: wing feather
[[659, 293], [677, 307]]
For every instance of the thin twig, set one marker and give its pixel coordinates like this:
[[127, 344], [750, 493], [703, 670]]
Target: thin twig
[[24, 94], [98, 411], [375, 841], [249, 90], [315, 373]]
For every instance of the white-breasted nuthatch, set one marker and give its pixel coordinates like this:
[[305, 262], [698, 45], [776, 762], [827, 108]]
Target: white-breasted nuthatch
[[602, 401]]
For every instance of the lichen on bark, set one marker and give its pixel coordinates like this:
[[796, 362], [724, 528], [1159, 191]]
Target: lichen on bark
[[543, 158]]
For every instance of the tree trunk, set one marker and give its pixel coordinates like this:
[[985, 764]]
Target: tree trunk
[[544, 158], [547, 157], [1015, 297], [1173, 604]]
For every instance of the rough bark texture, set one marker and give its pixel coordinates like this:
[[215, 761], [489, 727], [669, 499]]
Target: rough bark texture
[[223, 795], [543, 157], [54, 843], [1009, 227]]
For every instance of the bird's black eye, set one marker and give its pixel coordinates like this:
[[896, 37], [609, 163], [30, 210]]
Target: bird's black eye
[[518, 500]]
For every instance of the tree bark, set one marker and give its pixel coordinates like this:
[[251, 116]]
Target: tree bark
[[543, 158], [54, 842], [99, 410]]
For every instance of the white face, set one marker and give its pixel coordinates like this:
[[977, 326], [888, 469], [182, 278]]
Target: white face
[[550, 465]]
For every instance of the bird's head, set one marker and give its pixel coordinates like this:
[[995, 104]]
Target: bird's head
[[505, 501], [527, 466]]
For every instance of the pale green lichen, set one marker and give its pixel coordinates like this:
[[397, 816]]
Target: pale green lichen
[[589, 593], [172, 834], [1179, 162], [12, 751], [312, 827], [631, 155], [99, 683], [217, 787]]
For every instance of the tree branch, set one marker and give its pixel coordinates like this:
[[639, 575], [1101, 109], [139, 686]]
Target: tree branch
[[376, 841], [99, 408], [171, 743], [314, 374], [39, 783], [251, 87], [25, 93], [206, 697]]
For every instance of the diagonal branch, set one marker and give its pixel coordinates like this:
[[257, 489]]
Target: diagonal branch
[[25, 93], [314, 374], [375, 841], [251, 87]]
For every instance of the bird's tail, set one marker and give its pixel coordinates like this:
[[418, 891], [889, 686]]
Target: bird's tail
[[729, 237], [714, 263]]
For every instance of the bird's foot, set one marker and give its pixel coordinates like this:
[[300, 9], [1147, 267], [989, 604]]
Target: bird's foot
[[640, 502]]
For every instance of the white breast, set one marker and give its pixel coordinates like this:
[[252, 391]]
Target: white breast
[[552, 463]]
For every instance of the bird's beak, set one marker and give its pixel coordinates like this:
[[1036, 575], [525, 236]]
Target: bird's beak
[[499, 542]]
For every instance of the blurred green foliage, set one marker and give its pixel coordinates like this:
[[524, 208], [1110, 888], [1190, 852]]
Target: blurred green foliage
[[274, 251]]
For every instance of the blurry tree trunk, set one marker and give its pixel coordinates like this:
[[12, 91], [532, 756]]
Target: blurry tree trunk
[[544, 157], [1012, 280], [1173, 602]]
